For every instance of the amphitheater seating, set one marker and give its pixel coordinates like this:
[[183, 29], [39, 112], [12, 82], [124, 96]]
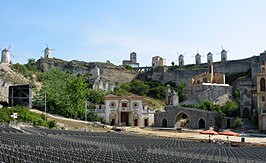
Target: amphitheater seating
[[46, 145]]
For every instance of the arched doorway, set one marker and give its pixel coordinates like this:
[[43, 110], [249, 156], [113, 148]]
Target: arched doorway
[[202, 123], [164, 123], [245, 113], [112, 118], [182, 120], [135, 122]]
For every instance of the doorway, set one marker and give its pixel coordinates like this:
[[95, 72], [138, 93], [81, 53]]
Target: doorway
[[124, 118]]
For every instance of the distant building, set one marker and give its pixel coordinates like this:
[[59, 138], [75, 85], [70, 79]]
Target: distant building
[[209, 86], [261, 102], [209, 57], [158, 61], [5, 58], [133, 60], [181, 60], [125, 111], [198, 59], [223, 55], [47, 52]]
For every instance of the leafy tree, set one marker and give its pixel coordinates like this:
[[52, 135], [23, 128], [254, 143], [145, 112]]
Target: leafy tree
[[139, 87], [65, 93], [230, 108], [157, 92], [96, 96], [180, 89]]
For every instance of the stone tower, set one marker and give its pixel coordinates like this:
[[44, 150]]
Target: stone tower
[[198, 59], [223, 55], [261, 92], [133, 57], [181, 60], [47, 52], [168, 95], [5, 56], [171, 98], [209, 57]]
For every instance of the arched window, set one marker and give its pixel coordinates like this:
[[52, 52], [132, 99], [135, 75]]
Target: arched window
[[262, 84], [263, 70]]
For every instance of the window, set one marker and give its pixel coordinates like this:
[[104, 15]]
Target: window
[[262, 84], [112, 104], [263, 70], [124, 104], [262, 98]]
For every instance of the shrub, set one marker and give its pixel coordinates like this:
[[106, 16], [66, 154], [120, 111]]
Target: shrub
[[237, 122], [51, 124]]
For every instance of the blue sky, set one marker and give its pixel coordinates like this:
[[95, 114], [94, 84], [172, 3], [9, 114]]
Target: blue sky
[[100, 30]]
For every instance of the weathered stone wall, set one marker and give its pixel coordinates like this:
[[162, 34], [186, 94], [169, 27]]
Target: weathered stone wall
[[184, 73], [194, 116], [245, 86], [209, 92]]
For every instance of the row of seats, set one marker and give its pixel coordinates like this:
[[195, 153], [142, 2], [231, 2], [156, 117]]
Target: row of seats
[[48, 145]]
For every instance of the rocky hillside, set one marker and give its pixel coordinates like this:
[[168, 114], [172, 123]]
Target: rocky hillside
[[108, 71], [9, 77]]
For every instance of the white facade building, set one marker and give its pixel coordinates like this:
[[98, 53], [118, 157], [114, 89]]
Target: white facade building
[[5, 58], [125, 111]]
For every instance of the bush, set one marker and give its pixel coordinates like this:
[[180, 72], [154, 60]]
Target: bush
[[51, 124], [237, 122]]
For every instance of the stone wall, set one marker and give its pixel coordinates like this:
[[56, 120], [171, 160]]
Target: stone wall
[[184, 73], [194, 115], [207, 92]]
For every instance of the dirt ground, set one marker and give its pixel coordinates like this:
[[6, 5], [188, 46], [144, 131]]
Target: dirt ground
[[72, 124], [195, 135]]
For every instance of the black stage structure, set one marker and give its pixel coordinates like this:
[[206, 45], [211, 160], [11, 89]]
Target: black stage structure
[[20, 95]]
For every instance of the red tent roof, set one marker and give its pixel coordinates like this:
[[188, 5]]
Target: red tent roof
[[210, 132], [229, 133]]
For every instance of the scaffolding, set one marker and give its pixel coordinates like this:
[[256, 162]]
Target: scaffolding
[[20, 95]]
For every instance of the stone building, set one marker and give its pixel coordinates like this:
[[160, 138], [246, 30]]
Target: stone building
[[158, 61], [125, 111], [198, 59], [181, 61], [133, 60], [223, 55], [209, 57], [5, 56], [209, 86], [245, 85], [171, 98], [208, 77], [261, 94]]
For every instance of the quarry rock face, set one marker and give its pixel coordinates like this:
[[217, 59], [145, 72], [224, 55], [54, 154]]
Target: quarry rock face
[[108, 71], [218, 94], [9, 77]]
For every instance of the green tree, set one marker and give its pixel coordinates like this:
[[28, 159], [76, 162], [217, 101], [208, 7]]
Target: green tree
[[96, 96], [139, 87], [230, 109], [65, 94]]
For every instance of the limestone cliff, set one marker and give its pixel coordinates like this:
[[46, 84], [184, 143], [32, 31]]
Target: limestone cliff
[[7, 78], [108, 71]]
